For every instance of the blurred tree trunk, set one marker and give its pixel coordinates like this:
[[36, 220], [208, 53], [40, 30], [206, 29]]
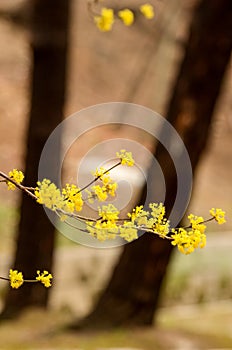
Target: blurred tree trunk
[[35, 241], [132, 295]]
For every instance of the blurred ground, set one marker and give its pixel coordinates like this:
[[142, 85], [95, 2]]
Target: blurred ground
[[131, 65], [181, 328]]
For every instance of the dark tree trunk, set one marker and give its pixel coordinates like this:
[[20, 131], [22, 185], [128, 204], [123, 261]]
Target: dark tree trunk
[[35, 241], [132, 295]]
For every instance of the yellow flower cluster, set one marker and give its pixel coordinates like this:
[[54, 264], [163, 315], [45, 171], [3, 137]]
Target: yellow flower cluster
[[107, 187], [128, 231], [106, 19], [138, 216], [147, 10], [49, 195], [72, 198], [187, 240], [15, 175], [219, 215], [125, 157], [45, 278], [108, 213], [158, 223], [153, 220], [126, 16], [108, 226], [16, 278]]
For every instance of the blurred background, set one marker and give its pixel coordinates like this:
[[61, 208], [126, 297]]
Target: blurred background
[[138, 64]]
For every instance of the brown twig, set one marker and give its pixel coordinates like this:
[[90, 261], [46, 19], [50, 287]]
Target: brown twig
[[21, 187]]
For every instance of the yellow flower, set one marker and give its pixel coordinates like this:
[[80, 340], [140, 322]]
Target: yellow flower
[[100, 192], [106, 20], [196, 223], [48, 194], [147, 10], [128, 231], [219, 215], [125, 157], [162, 229], [111, 188], [15, 175], [157, 211], [106, 227], [138, 215], [103, 175], [102, 230], [73, 198], [108, 186], [105, 230], [16, 278], [188, 241], [108, 213], [126, 16], [45, 278], [158, 223]]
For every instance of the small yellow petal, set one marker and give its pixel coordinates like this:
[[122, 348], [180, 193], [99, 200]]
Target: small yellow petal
[[126, 16], [147, 10], [16, 278]]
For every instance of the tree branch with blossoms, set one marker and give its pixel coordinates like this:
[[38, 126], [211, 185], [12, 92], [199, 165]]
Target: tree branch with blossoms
[[68, 202], [16, 278], [105, 17]]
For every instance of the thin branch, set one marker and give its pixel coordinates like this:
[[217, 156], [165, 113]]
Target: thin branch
[[98, 177], [75, 216], [21, 187], [8, 279]]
